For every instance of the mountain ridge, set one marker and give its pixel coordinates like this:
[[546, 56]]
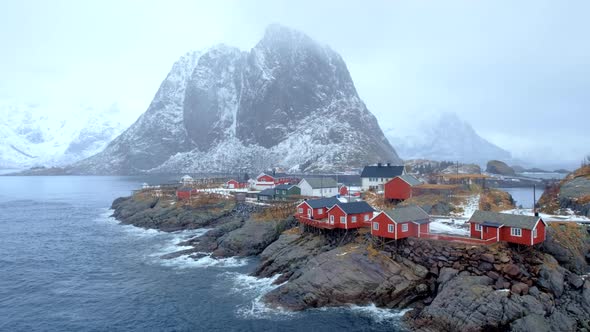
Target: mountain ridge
[[288, 102]]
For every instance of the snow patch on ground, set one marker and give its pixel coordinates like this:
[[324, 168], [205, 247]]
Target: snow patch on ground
[[469, 207], [569, 216], [449, 226]]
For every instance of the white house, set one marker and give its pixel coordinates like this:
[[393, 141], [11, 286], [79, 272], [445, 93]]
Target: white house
[[318, 187], [187, 180], [375, 176]]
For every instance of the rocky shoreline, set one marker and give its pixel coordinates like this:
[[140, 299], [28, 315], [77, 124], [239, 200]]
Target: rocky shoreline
[[449, 286]]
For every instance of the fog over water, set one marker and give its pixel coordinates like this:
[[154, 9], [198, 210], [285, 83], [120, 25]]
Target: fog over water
[[518, 72]]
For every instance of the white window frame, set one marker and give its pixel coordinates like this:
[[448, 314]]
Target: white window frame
[[535, 233], [367, 217], [405, 228], [353, 218], [300, 210], [478, 227], [320, 211], [375, 226], [343, 220], [515, 231], [391, 228]]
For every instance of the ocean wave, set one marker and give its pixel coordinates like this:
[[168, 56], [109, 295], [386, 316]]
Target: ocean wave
[[378, 315], [186, 262], [255, 288]]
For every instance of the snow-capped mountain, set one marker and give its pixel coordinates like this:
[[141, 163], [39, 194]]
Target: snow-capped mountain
[[443, 136], [54, 135], [289, 102]]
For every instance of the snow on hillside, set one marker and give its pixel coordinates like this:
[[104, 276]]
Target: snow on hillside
[[442, 136], [52, 135]]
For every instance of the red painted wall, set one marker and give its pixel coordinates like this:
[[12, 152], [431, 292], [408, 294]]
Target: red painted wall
[[183, 194], [474, 233], [265, 178], [343, 191], [234, 182], [424, 229], [336, 212], [314, 212], [540, 233], [383, 221], [524, 239], [397, 188], [412, 230]]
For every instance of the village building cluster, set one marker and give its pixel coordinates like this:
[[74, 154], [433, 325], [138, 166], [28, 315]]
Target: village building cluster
[[332, 203]]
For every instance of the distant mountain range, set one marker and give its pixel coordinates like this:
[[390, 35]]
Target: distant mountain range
[[51, 135], [288, 102], [444, 136]]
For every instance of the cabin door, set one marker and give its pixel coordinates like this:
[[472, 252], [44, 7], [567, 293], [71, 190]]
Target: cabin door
[[309, 213]]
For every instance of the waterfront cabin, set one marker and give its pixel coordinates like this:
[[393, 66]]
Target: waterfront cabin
[[270, 180], [375, 177], [315, 208], [284, 192], [401, 222], [318, 187], [185, 193], [519, 229], [236, 184], [350, 215], [401, 187]]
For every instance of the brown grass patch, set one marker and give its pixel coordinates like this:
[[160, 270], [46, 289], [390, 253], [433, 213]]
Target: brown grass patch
[[495, 200]]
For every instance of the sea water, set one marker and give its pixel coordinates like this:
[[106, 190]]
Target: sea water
[[66, 265]]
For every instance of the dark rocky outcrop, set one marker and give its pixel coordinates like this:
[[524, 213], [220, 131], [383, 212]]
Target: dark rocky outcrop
[[499, 167], [572, 193], [154, 213]]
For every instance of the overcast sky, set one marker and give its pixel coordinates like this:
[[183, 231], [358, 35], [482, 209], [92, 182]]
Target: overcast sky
[[518, 71]]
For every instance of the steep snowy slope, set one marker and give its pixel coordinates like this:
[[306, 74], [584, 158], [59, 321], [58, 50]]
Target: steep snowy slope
[[289, 102], [444, 136], [50, 135]]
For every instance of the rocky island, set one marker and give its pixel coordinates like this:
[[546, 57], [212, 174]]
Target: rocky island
[[448, 286]]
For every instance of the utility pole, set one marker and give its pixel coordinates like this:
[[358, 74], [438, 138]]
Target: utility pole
[[534, 199]]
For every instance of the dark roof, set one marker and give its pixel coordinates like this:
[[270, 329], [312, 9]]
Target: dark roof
[[285, 186], [267, 192], [277, 175], [317, 183], [407, 213], [184, 189], [349, 180], [410, 179], [322, 202], [356, 207], [382, 171], [512, 220]]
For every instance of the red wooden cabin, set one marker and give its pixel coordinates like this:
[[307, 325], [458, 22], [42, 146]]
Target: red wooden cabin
[[400, 223], [185, 193], [235, 184], [401, 187], [350, 215], [519, 229], [315, 208]]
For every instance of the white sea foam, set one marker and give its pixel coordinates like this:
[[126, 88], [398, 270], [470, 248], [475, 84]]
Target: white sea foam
[[379, 315], [186, 262], [255, 288]]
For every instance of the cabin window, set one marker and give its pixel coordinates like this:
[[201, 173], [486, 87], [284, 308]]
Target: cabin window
[[478, 227], [404, 227], [376, 226], [320, 211], [366, 217], [300, 210], [353, 218], [514, 231], [343, 220], [390, 228], [535, 233]]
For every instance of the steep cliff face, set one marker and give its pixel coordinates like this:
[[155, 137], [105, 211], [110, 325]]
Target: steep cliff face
[[289, 102], [572, 194]]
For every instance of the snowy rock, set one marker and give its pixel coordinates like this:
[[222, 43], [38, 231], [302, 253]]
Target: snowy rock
[[289, 102]]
